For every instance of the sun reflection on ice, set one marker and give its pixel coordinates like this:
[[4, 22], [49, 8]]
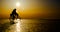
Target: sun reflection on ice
[[17, 25]]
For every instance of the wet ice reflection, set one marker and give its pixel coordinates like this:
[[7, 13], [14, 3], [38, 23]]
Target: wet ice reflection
[[17, 25]]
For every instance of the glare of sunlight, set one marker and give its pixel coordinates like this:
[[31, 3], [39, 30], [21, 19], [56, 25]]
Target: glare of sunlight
[[18, 4], [19, 7]]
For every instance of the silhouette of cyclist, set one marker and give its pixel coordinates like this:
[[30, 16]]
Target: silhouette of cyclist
[[13, 15]]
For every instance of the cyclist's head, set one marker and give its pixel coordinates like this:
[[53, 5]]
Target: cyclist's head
[[14, 10]]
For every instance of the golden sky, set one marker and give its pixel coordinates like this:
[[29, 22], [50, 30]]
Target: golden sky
[[28, 8]]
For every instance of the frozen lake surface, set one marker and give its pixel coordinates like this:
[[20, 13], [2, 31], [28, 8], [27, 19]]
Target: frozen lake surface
[[29, 25]]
